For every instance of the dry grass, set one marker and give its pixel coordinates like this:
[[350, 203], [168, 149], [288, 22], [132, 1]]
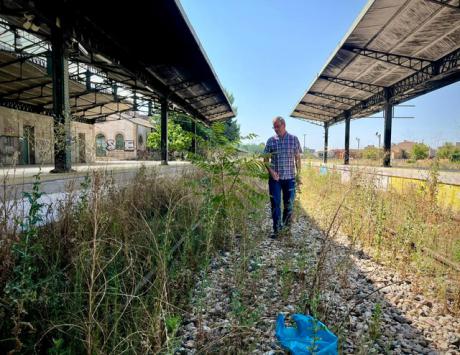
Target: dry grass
[[444, 164], [111, 271], [403, 231]]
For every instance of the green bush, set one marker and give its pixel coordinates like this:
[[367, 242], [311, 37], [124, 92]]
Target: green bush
[[420, 151], [371, 153], [455, 157], [447, 150], [178, 139]]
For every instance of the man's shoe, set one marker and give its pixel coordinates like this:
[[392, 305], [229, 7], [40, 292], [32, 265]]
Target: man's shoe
[[274, 235]]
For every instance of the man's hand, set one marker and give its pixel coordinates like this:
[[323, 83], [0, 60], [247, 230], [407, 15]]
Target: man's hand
[[298, 183], [275, 176]]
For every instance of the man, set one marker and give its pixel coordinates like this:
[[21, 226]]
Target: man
[[284, 150]]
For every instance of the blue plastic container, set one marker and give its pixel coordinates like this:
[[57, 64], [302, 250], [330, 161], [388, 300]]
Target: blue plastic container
[[310, 336], [323, 170]]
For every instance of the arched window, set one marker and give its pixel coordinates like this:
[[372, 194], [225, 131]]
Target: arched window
[[119, 142]]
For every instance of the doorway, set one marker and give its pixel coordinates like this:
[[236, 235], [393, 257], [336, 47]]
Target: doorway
[[100, 146], [81, 148], [28, 146]]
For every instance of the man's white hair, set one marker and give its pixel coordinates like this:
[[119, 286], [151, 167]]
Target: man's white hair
[[279, 119]]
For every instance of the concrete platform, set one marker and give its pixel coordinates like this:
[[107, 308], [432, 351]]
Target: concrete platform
[[25, 174], [402, 179]]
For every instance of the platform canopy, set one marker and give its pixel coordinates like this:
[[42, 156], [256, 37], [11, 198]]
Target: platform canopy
[[395, 51], [122, 55]]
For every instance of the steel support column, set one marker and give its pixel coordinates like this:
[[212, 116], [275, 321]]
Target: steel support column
[[388, 114], [61, 105], [346, 155], [326, 138], [149, 108], [194, 136], [164, 131]]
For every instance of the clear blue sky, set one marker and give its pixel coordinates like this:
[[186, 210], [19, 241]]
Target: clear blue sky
[[267, 52]]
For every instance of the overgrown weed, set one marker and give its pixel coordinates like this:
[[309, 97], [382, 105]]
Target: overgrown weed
[[112, 270], [395, 229]]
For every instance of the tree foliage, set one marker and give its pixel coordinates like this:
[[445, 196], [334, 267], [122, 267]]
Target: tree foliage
[[232, 128], [420, 151], [181, 131], [371, 153], [179, 140], [447, 151], [252, 148]]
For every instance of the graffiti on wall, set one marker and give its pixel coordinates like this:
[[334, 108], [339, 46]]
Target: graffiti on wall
[[110, 144]]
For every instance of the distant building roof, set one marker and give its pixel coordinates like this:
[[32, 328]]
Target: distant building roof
[[405, 145]]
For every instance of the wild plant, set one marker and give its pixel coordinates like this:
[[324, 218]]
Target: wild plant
[[22, 290]]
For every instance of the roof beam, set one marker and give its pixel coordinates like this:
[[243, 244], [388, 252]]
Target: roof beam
[[211, 107], [446, 3], [105, 115], [20, 79], [196, 99], [319, 116], [358, 85], [17, 105], [311, 121], [374, 100], [340, 99], [404, 61], [28, 88], [413, 85], [22, 58], [183, 85], [84, 108], [217, 114], [22, 90], [329, 109]]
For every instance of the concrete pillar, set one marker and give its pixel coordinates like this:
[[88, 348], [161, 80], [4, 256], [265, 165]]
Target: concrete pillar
[[388, 114], [164, 131], [326, 138], [346, 155], [61, 104]]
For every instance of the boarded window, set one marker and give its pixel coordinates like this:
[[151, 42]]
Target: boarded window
[[119, 142]]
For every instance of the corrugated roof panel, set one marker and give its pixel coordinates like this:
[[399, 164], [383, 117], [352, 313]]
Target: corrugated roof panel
[[390, 42]]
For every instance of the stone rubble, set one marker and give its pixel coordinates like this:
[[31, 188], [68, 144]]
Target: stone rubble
[[274, 281]]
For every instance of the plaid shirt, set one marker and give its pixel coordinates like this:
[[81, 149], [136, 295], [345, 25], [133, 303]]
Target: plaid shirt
[[283, 152]]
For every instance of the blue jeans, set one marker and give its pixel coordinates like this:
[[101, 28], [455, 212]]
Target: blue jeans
[[287, 187]]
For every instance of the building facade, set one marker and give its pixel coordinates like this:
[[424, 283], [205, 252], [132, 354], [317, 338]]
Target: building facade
[[28, 138], [122, 138]]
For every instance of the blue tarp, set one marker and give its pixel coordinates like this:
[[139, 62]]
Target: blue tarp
[[310, 336]]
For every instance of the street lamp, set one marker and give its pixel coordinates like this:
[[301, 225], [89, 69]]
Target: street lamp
[[378, 135], [304, 142], [358, 141]]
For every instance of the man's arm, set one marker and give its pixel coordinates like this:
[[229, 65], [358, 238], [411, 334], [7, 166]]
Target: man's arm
[[298, 164], [298, 161], [272, 172]]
